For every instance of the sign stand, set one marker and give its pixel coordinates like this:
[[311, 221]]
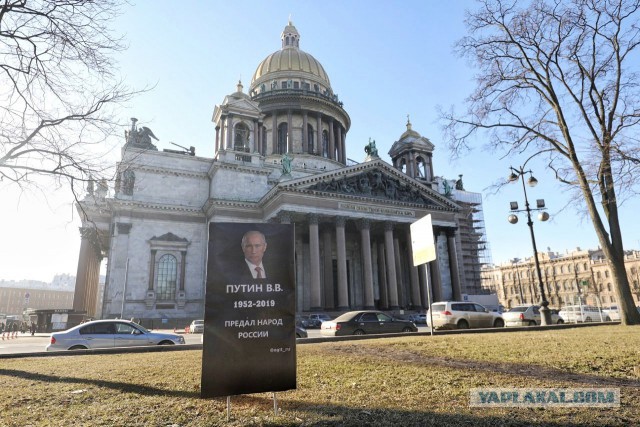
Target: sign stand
[[275, 404], [228, 408]]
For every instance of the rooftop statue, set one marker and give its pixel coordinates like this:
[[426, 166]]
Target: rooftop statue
[[371, 150], [140, 138]]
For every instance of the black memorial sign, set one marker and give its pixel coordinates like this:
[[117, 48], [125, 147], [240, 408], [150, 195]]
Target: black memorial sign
[[249, 335]]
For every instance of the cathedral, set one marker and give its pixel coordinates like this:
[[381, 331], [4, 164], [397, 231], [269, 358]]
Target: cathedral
[[279, 157]]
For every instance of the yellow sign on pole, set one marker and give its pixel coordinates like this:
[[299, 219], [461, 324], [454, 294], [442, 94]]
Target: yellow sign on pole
[[424, 248]]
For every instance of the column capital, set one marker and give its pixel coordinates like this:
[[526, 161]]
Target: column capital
[[285, 217], [363, 224], [313, 219], [340, 221], [388, 226]]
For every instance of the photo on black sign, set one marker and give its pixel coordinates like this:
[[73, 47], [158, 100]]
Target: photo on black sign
[[249, 336]]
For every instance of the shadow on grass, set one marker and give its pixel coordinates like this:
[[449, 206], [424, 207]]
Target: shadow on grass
[[115, 385], [334, 414]]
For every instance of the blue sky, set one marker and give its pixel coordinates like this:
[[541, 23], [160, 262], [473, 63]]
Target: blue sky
[[384, 59]]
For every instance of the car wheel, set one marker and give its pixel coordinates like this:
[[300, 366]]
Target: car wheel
[[165, 342], [358, 332], [78, 347], [499, 323], [532, 323], [559, 322], [463, 324], [407, 329], [298, 336], [607, 319], [588, 319]]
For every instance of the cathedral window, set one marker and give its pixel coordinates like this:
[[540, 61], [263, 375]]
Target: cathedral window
[[284, 84], [310, 138], [282, 138], [241, 138], [325, 143], [167, 277], [296, 85], [316, 88]]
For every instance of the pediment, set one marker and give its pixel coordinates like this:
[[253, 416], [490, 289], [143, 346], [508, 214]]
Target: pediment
[[371, 180], [246, 105], [168, 237]]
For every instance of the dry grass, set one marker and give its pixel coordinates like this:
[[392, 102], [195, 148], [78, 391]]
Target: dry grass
[[409, 381]]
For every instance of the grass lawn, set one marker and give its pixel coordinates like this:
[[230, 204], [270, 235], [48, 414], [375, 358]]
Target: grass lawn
[[408, 381]]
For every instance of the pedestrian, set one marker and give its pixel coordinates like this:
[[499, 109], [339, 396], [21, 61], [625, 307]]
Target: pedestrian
[[33, 328]]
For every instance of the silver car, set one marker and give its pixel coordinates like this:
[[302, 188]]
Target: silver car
[[109, 334], [528, 315], [463, 315]]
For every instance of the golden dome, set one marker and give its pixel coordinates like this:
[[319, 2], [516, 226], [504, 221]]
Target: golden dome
[[290, 62]]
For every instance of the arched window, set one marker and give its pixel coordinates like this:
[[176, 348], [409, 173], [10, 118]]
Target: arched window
[[606, 273], [584, 266], [241, 138], [282, 138], [167, 277], [609, 287], [325, 143], [310, 139], [403, 166]]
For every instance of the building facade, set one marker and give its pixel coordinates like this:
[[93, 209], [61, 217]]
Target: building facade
[[279, 156], [578, 276]]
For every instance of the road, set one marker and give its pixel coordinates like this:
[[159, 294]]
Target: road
[[26, 343]]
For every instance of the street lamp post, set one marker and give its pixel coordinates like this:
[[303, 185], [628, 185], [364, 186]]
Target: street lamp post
[[516, 174]]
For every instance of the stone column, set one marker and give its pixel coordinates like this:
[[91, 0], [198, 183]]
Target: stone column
[[314, 250], [274, 134], [260, 144], [217, 138], [425, 276], [87, 274], [391, 266], [436, 280], [223, 144], [255, 142], [343, 143], [305, 146], [327, 245], [453, 263], [402, 291], [332, 141], [230, 131], [382, 276], [413, 272], [341, 249], [365, 242]]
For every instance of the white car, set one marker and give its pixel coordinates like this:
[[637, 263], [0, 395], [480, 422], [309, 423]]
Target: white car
[[528, 315], [463, 315], [583, 313], [109, 334], [196, 327]]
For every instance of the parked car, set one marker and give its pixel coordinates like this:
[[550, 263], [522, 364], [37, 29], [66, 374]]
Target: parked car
[[583, 313], [612, 312], [108, 334], [196, 327], [365, 322], [418, 318], [300, 331], [463, 315], [318, 318], [528, 315], [304, 321]]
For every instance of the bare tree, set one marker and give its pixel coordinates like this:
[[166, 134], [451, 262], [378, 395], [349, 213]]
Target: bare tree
[[556, 78], [57, 91]]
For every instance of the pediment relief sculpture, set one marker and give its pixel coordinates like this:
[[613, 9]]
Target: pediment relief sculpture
[[374, 184]]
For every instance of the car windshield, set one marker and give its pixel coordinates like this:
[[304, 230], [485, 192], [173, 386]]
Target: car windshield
[[198, 322], [518, 309]]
